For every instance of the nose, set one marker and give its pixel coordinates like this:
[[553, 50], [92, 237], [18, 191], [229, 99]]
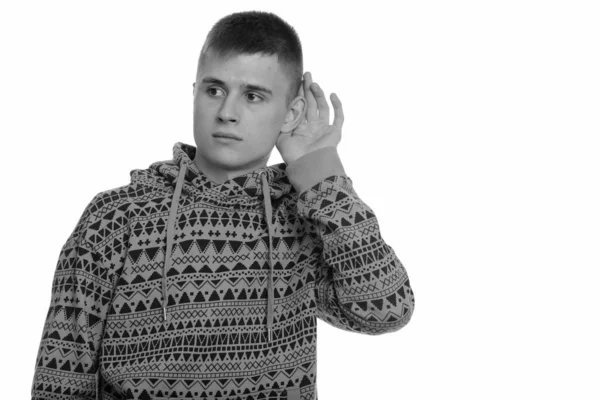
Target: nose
[[228, 110]]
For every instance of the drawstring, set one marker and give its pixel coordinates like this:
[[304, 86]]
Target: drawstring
[[171, 228], [269, 212]]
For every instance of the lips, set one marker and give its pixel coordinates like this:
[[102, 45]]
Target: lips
[[226, 135]]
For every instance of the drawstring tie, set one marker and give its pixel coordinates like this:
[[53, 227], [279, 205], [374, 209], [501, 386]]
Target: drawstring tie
[[269, 212], [171, 227]]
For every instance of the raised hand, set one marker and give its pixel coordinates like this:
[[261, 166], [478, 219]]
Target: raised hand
[[315, 131]]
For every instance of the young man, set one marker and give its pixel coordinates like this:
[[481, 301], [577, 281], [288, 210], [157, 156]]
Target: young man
[[203, 278]]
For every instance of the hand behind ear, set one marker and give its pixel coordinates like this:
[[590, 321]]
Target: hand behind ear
[[314, 132]]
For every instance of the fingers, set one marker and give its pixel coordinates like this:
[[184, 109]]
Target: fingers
[[301, 93], [311, 113], [318, 108], [338, 119], [321, 102]]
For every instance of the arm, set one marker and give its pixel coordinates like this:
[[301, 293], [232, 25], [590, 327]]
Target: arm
[[361, 285], [67, 359]]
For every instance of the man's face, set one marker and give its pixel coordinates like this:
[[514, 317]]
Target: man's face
[[243, 95]]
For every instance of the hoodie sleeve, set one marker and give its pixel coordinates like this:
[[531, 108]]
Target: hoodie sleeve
[[361, 285], [82, 287]]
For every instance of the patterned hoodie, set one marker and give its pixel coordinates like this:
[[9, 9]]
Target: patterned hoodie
[[177, 287]]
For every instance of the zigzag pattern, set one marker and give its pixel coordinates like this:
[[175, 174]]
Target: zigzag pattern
[[104, 332]]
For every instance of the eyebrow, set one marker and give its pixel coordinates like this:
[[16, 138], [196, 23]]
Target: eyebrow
[[249, 86]]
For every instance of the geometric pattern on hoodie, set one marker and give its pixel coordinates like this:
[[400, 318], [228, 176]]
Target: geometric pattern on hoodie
[[105, 336]]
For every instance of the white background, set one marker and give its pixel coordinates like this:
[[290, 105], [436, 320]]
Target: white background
[[471, 129]]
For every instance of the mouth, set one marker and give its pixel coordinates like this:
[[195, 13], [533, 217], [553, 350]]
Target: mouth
[[225, 135]]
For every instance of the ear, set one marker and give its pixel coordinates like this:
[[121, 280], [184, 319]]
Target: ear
[[295, 115], [194, 89]]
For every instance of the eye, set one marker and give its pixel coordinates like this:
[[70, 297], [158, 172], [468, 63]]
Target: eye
[[211, 89], [255, 97]]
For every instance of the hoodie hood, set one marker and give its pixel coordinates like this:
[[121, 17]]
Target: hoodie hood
[[184, 182], [164, 174]]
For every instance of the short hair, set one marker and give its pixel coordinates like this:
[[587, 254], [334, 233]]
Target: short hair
[[251, 32]]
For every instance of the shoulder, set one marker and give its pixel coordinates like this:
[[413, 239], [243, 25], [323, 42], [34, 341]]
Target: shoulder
[[106, 216]]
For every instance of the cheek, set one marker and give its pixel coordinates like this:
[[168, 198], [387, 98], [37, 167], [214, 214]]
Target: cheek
[[203, 110], [276, 120]]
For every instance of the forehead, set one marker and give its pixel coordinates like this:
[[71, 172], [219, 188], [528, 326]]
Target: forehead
[[242, 69]]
